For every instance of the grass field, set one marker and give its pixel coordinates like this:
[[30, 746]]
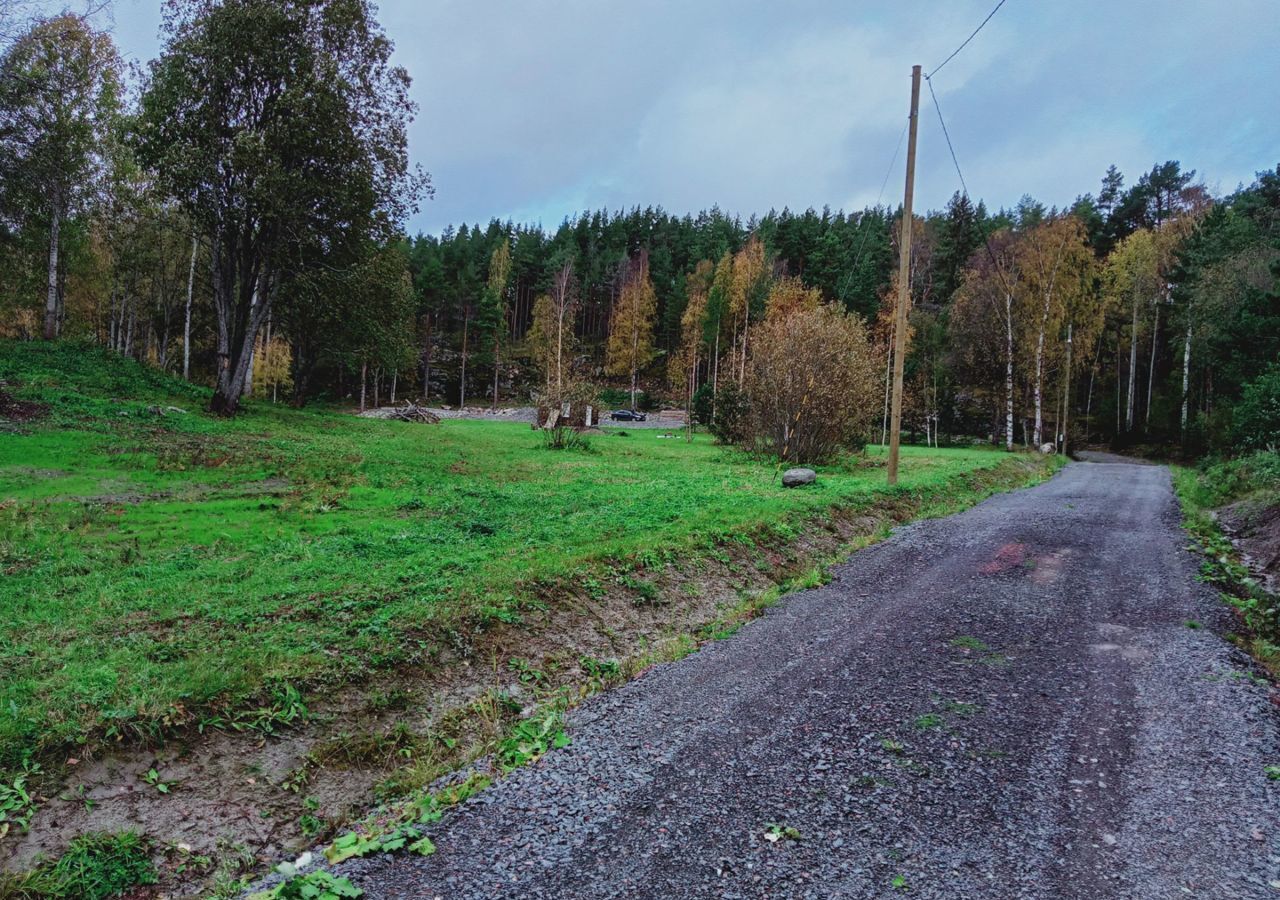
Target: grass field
[[168, 568]]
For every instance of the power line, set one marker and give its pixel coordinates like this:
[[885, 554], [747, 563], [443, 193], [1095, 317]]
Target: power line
[[857, 257], [947, 134], [956, 52], [986, 238], [889, 171]]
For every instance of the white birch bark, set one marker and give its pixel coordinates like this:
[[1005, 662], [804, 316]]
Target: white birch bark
[[51, 299], [186, 325]]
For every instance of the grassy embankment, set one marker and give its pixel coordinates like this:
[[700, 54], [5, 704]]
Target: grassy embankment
[[169, 570], [1213, 485]]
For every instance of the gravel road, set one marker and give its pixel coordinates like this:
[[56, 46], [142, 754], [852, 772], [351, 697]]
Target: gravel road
[[1011, 702]]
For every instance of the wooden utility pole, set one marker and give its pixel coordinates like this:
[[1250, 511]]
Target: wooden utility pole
[[904, 282]]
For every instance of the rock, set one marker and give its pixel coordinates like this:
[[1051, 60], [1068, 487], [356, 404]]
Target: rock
[[1048, 448], [797, 477]]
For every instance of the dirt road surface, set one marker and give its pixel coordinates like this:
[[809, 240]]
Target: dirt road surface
[[1030, 699]]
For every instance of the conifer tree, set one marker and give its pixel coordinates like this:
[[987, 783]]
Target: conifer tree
[[494, 310]]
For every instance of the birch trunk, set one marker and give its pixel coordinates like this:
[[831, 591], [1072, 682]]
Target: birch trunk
[[715, 373], [1039, 388], [560, 314], [1151, 369], [635, 358], [247, 387], [1186, 378], [1133, 368], [51, 299], [1008, 370], [186, 325]]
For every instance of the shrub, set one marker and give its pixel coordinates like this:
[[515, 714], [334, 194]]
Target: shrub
[[105, 865], [731, 409], [564, 437], [811, 384], [1222, 481], [1255, 421], [722, 412], [703, 405]]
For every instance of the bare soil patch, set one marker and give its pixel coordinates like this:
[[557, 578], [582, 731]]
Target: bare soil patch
[[20, 411], [1254, 526]]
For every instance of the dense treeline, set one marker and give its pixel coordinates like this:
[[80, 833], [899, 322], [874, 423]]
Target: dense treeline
[[1166, 296], [234, 214], [847, 257]]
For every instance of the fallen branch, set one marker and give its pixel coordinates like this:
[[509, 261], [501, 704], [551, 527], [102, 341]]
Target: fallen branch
[[412, 412]]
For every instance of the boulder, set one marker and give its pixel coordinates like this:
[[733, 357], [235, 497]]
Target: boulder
[[797, 477], [1048, 448]]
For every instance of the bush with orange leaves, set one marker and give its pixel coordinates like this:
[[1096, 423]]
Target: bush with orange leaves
[[812, 383]]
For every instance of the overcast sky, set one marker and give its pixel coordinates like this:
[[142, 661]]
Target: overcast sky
[[536, 110]]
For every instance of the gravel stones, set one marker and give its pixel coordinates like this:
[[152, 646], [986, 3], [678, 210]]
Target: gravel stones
[[925, 725]]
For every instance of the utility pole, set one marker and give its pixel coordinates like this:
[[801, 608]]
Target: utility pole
[[1066, 406], [904, 283]]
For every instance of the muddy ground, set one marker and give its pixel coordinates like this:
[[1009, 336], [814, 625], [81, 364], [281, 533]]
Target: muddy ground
[[1254, 526]]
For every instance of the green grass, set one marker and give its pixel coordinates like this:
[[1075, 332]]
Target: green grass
[[1215, 483], [177, 569], [95, 867]]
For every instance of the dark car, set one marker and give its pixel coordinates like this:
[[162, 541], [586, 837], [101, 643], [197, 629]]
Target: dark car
[[627, 415]]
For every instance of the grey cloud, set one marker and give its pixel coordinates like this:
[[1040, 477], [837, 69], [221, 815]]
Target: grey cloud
[[540, 109]]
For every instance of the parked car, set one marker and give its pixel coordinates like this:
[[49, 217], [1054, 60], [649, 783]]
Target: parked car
[[627, 415]]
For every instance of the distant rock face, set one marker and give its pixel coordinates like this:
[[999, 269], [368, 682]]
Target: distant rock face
[[797, 477]]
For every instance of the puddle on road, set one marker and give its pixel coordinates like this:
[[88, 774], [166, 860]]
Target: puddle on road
[[1009, 556], [1042, 568]]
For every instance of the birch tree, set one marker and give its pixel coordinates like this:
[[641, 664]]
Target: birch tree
[[280, 125], [684, 366], [630, 347], [1055, 262], [59, 102], [551, 338], [1132, 277], [988, 299], [747, 285], [717, 312]]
